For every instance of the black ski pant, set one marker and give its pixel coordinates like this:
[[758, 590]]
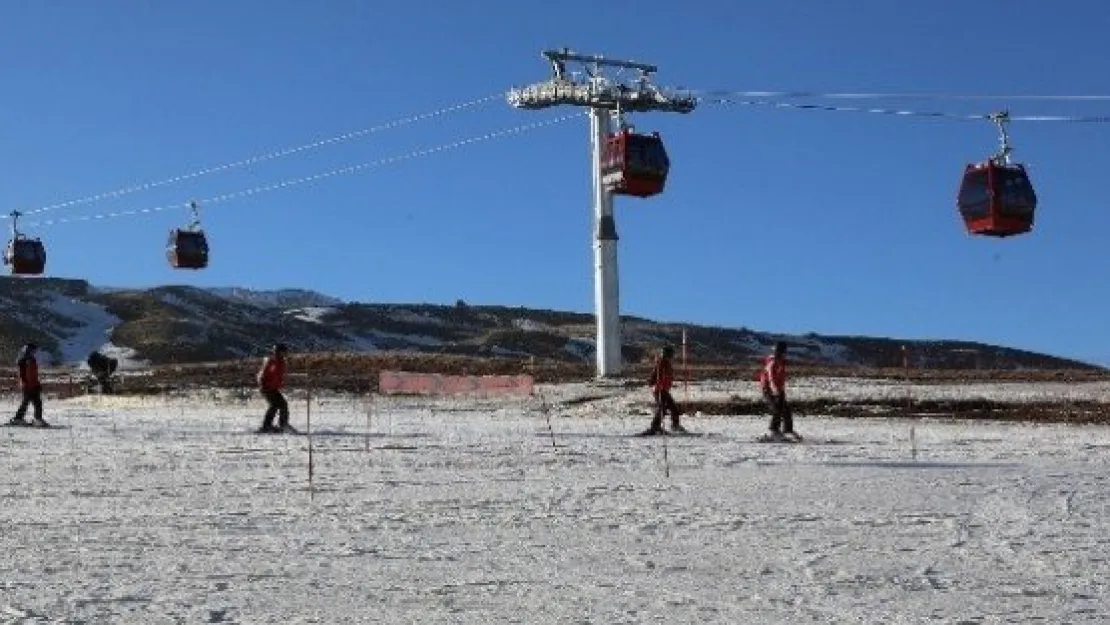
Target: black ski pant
[[782, 419], [105, 381], [31, 397], [665, 403], [276, 406]]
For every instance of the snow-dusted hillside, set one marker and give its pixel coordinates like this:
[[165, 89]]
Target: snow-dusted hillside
[[180, 324], [69, 326], [283, 298]]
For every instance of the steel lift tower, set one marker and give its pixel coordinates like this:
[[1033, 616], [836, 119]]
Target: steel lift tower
[[608, 99]]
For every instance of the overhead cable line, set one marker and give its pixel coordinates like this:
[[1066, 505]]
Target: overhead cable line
[[292, 182], [1099, 119], [269, 156], [709, 94]]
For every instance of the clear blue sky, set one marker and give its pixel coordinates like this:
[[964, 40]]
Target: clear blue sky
[[778, 220]]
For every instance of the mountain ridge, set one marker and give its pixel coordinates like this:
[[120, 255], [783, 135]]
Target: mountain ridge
[[185, 324]]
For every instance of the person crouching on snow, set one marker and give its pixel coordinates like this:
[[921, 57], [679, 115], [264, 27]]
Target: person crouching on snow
[[102, 368]]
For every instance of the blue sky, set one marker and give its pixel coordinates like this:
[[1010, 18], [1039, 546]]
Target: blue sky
[[774, 219]]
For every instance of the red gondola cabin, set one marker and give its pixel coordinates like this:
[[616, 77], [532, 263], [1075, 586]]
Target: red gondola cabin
[[25, 256], [997, 199], [634, 164], [187, 249]]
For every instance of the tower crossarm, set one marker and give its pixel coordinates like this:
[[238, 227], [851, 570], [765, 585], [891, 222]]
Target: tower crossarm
[[635, 99], [598, 91]]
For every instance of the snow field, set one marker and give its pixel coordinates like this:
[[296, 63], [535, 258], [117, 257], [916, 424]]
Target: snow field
[[450, 511]]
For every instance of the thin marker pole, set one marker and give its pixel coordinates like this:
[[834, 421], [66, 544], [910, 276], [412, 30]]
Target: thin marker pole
[[547, 414], [685, 370], [906, 377], [666, 459], [369, 411], [308, 431]]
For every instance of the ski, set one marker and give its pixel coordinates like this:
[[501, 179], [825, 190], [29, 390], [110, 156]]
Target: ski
[[33, 426], [779, 438]]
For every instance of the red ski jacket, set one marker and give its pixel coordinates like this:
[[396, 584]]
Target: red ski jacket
[[772, 377], [272, 375], [663, 376], [29, 373]]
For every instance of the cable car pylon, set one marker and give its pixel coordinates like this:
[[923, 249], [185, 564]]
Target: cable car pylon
[[623, 163]]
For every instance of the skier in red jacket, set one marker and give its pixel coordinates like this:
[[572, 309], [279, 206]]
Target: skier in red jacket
[[30, 385], [271, 379], [772, 381], [662, 378]]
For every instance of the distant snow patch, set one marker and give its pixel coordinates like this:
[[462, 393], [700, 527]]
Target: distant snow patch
[[281, 298], [414, 339], [171, 299], [579, 348], [93, 332], [497, 350], [529, 325], [827, 352], [358, 343], [311, 314], [127, 357], [409, 316]]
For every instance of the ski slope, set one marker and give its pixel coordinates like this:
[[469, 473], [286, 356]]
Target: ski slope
[[168, 510]]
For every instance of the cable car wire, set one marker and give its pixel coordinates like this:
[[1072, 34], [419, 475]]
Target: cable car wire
[[292, 182], [893, 96], [710, 96], [269, 156], [1099, 119]]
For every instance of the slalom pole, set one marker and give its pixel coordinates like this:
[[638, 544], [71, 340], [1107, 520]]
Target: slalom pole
[[369, 412], [906, 384], [308, 431], [666, 459], [547, 414], [906, 377], [685, 371]]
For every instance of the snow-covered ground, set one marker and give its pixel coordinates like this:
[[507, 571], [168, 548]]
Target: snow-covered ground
[[170, 511]]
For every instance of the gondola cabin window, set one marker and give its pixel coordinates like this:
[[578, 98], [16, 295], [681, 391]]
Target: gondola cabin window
[[975, 197], [1018, 197]]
